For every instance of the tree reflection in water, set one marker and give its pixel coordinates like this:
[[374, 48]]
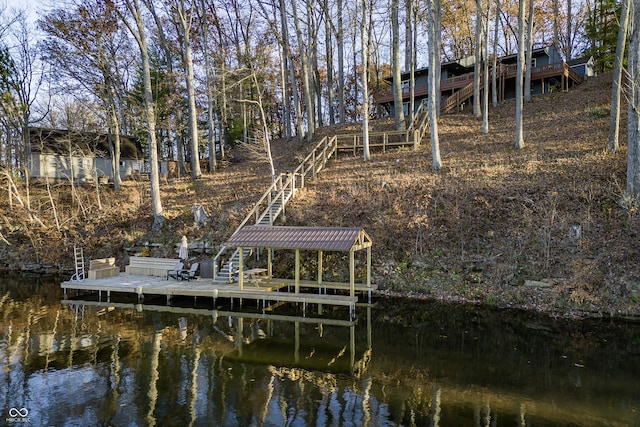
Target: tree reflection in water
[[401, 363]]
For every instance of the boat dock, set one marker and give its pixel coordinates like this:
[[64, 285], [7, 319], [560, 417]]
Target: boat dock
[[265, 292]]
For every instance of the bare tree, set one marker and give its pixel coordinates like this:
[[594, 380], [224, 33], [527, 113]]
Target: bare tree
[[494, 67], [529, 53], [365, 40], [395, 64], [434, 91], [137, 30], [633, 150], [478, 62], [210, 74], [340, 43], [614, 123], [485, 71], [304, 65], [185, 19], [519, 144], [262, 135]]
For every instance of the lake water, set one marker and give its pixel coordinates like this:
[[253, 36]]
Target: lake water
[[400, 363]]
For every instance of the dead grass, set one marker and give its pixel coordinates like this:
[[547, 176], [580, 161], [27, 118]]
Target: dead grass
[[492, 219]]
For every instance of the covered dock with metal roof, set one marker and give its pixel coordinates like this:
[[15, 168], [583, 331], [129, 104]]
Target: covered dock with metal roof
[[319, 239]]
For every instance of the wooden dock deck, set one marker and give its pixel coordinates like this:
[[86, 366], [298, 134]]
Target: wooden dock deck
[[265, 291]]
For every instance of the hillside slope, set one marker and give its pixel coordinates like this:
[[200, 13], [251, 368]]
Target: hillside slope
[[541, 228]]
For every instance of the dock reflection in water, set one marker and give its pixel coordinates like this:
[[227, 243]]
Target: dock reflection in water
[[83, 362]]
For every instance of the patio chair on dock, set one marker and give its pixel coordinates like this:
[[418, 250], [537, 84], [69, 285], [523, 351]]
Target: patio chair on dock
[[177, 271], [191, 273]]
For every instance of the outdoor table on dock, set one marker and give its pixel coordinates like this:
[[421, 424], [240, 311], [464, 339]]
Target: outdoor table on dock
[[255, 275]]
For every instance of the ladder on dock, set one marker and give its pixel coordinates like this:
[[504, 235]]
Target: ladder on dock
[[78, 254]]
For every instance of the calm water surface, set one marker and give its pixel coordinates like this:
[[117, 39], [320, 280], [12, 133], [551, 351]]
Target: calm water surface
[[79, 362]]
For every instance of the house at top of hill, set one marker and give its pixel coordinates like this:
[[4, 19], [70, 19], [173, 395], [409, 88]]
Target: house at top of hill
[[548, 73], [61, 155]]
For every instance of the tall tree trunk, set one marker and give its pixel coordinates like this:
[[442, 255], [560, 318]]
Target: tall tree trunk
[[494, 66], [329, 53], [485, 71], [398, 104], [614, 123], [556, 25], [316, 89], [411, 55], [306, 83], [438, 51], [408, 33], [292, 87], [139, 34], [519, 76], [569, 47], [633, 151], [340, 43], [209, 85], [364, 40], [478, 63], [185, 22], [434, 34], [527, 75]]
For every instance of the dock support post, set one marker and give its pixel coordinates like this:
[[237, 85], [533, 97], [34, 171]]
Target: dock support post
[[297, 272]]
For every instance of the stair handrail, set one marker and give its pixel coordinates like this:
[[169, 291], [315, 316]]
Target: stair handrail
[[320, 154]]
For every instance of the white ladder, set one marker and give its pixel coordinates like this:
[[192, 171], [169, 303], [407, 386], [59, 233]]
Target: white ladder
[[78, 254]]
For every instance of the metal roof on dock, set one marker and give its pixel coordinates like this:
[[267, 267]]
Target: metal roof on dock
[[306, 238]]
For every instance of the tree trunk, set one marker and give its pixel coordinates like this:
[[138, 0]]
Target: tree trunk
[[478, 62], [364, 40], [614, 123], [329, 53], [209, 85], [340, 43], [519, 144], [290, 69], [569, 47], [185, 22], [527, 76], [494, 74], [434, 91], [485, 72], [139, 34], [633, 151], [556, 30], [304, 64], [398, 104]]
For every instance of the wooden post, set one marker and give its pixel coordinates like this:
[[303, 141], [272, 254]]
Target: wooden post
[[297, 272], [352, 274], [240, 269], [319, 267], [369, 267], [269, 262]]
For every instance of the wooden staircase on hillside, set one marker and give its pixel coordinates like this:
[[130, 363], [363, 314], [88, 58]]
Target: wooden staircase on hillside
[[271, 206]]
